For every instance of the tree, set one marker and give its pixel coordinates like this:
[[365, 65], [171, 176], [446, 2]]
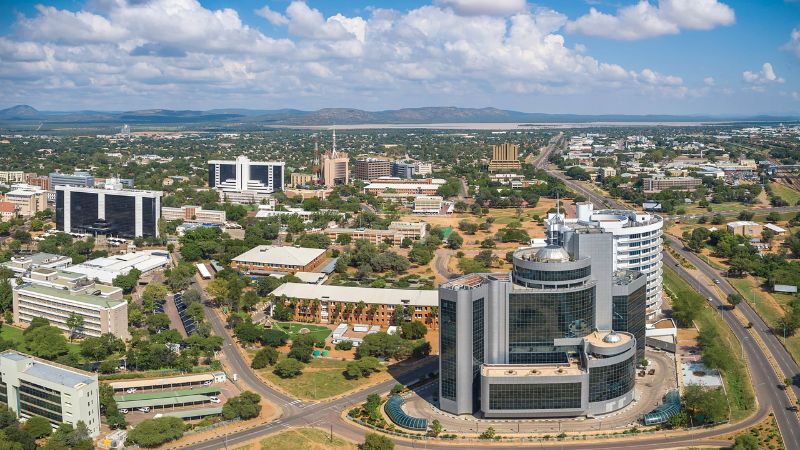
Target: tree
[[455, 241], [363, 367], [773, 217], [413, 330], [734, 299], [273, 337], [289, 368], [746, 215], [710, 405], [577, 173], [267, 356], [98, 348], [374, 441], [46, 342], [38, 427], [157, 322], [244, 406], [75, 324], [435, 428], [745, 441], [6, 294], [420, 255], [154, 432]]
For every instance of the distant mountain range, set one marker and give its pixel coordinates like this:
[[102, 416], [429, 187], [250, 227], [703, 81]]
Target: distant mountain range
[[24, 114]]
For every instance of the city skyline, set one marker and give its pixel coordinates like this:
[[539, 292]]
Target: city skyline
[[656, 57]]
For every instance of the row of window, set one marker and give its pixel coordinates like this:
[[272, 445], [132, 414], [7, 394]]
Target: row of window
[[552, 275], [447, 328], [534, 396], [609, 382]]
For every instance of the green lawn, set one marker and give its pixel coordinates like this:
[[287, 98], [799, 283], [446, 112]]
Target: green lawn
[[716, 207], [14, 334], [740, 391], [321, 378], [785, 192], [293, 329]]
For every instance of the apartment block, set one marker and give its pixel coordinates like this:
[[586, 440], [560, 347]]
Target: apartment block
[[658, 184], [28, 200], [371, 169], [12, 176], [34, 387], [504, 157], [56, 295], [189, 213]]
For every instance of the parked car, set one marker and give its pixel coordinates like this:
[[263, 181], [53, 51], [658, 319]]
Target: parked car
[[123, 411], [131, 390], [145, 409], [215, 399]]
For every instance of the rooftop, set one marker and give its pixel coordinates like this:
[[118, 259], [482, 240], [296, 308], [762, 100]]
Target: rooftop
[[527, 370], [411, 297], [275, 255], [67, 295], [52, 372]]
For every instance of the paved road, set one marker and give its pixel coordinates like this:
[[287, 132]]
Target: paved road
[[764, 379]]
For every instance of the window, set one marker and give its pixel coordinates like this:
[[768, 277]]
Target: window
[[609, 382], [534, 396], [447, 344]]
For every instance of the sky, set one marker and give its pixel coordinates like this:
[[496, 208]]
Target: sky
[[572, 56]]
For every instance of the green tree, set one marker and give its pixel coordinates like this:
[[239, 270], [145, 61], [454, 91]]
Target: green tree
[[745, 441], [267, 356], [413, 330], [289, 368], [244, 406], [435, 428], [455, 241], [154, 432], [75, 324], [374, 441], [45, 342], [38, 427], [711, 406], [734, 299]]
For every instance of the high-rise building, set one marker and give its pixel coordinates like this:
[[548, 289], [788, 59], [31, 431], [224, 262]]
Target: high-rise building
[[370, 169], [334, 166], [559, 336], [115, 212], [242, 175], [33, 387], [637, 242], [504, 157]]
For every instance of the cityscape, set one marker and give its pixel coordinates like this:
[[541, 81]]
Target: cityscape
[[441, 224]]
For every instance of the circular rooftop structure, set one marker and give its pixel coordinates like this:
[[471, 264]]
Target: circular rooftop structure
[[552, 253], [612, 338]]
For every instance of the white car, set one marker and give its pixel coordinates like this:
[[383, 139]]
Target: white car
[[145, 409], [131, 390], [207, 383], [123, 411], [214, 399]]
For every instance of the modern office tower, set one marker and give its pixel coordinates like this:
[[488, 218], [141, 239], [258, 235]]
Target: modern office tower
[[82, 179], [127, 213], [34, 387], [334, 166], [403, 169], [56, 295], [27, 199], [371, 168], [540, 341], [504, 157], [637, 242], [242, 175]]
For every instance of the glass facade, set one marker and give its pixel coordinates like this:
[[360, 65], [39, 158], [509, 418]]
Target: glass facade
[[477, 349], [277, 177], [227, 172], [628, 314], [259, 173], [83, 210], [553, 357], [535, 319], [59, 210], [121, 214], [148, 216], [447, 327], [606, 383], [212, 169], [35, 400], [552, 275], [534, 396]]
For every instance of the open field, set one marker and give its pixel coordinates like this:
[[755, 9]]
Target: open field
[[293, 329], [301, 439], [321, 378], [740, 392], [785, 192]]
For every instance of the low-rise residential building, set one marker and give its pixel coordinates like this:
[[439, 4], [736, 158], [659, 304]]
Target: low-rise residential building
[[28, 199], [12, 176], [395, 234], [658, 184], [8, 211], [56, 295], [745, 228], [340, 303], [189, 213], [267, 259], [33, 387]]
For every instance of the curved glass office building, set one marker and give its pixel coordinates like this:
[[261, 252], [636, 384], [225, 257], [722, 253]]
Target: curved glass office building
[[559, 336]]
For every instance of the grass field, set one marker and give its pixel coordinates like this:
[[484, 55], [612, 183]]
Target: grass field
[[739, 386], [717, 207], [302, 439], [293, 329], [785, 192], [321, 378], [14, 334]]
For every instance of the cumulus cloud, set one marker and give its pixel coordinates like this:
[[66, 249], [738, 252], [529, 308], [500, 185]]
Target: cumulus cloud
[[793, 45], [484, 7], [709, 81], [173, 49], [765, 76], [646, 20]]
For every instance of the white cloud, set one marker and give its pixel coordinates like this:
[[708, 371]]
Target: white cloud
[[793, 45], [645, 20], [485, 7], [273, 17], [170, 50], [709, 81], [765, 76]]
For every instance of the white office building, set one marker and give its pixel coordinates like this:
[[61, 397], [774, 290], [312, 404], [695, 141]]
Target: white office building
[[34, 387], [637, 242], [242, 175]]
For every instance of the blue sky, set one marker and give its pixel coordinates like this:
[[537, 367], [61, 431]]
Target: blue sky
[[596, 56]]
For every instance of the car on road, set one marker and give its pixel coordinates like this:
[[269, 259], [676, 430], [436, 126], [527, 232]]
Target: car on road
[[131, 390], [710, 299], [793, 408], [716, 281]]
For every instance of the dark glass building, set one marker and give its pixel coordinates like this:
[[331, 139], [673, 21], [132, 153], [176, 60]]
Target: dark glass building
[[559, 336], [114, 212]]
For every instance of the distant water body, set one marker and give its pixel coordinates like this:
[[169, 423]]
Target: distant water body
[[499, 126]]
